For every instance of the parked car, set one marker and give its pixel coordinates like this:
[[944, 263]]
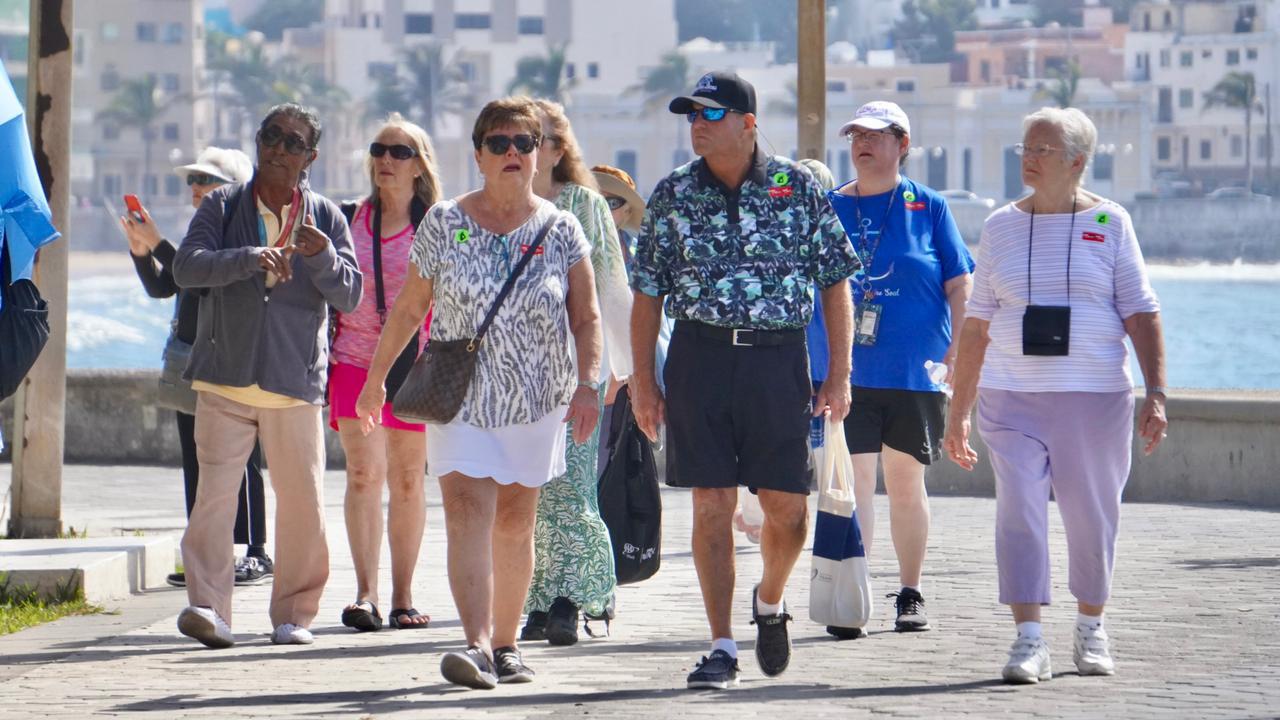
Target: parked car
[[964, 197], [1237, 194]]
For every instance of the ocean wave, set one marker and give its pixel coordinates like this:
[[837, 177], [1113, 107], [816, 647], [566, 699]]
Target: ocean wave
[[1203, 270]]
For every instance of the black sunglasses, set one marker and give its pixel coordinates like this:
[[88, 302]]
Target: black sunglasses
[[499, 144], [615, 202], [204, 179], [272, 136], [399, 152]]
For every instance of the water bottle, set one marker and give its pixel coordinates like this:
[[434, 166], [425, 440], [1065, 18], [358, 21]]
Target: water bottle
[[817, 427], [937, 375]]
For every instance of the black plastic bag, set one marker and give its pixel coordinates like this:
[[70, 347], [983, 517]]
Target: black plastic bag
[[24, 326], [629, 498]]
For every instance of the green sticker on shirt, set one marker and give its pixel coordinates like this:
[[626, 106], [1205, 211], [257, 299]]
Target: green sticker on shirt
[[1103, 218], [461, 235], [781, 178], [909, 196]]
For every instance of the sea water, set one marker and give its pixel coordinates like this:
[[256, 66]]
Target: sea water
[[1221, 324]]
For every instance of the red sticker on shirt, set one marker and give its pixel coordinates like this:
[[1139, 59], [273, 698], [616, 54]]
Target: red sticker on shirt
[[915, 205], [1094, 237], [525, 249], [781, 192]]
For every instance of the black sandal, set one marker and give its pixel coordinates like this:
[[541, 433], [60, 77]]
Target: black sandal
[[394, 619], [360, 619]]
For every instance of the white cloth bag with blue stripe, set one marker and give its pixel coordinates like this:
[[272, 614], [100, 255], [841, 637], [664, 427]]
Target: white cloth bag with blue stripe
[[840, 582]]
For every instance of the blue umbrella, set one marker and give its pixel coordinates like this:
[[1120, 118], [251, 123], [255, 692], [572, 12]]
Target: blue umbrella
[[23, 208]]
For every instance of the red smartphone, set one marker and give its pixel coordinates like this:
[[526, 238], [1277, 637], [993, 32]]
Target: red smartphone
[[134, 207]]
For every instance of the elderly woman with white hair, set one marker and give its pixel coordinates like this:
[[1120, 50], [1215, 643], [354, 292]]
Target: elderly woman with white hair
[[1060, 283], [153, 259]]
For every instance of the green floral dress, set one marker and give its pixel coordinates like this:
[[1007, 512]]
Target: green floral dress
[[573, 557]]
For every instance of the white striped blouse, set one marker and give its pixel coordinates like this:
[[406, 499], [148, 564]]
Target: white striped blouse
[[1108, 284]]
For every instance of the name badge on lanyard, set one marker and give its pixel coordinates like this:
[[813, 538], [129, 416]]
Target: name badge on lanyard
[[866, 323]]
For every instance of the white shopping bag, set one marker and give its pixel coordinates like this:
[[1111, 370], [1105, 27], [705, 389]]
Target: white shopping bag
[[840, 582], [749, 518]]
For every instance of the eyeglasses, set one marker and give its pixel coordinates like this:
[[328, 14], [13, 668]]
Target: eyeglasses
[[1038, 151], [861, 135], [708, 114], [499, 144], [273, 135], [399, 152], [204, 179], [615, 202]]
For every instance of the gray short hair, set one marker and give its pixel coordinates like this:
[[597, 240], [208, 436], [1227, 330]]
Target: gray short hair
[[297, 112], [1079, 134]]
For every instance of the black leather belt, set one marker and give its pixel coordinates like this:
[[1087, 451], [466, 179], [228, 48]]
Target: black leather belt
[[741, 337]]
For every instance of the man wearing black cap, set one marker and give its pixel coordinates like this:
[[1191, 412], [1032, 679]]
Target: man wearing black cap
[[737, 242]]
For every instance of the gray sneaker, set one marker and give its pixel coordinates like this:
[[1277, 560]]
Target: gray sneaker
[[251, 570], [511, 667], [717, 671], [472, 669]]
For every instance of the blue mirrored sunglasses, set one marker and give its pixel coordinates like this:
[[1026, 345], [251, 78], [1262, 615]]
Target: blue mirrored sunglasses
[[708, 114]]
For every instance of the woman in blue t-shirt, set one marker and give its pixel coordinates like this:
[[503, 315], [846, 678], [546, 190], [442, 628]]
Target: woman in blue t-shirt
[[909, 295]]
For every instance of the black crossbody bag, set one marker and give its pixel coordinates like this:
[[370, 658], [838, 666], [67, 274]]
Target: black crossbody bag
[[1046, 329]]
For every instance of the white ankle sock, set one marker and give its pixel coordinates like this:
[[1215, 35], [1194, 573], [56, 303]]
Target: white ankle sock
[[1091, 622], [727, 645], [1030, 629], [764, 608]]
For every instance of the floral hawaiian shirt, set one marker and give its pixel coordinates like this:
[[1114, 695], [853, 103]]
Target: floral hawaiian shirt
[[745, 258]]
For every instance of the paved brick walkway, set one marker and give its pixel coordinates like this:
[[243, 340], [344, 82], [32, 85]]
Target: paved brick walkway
[[1195, 623]]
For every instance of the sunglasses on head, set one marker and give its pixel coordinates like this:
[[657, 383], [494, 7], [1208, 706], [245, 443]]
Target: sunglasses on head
[[499, 144], [399, 152], [272, 136], [615, 202], [203, 179], [708, 114]]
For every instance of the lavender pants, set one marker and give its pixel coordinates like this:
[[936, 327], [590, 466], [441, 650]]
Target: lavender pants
[[1077, 443]]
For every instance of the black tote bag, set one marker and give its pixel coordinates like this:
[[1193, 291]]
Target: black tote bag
[[629, 499], [24, 326]]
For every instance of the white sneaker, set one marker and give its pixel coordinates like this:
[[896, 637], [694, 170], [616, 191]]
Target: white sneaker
[[1028, 662], [1092, 652], [290, 634], [203, 624]]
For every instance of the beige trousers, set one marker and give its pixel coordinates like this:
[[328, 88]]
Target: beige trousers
[[293, 444]]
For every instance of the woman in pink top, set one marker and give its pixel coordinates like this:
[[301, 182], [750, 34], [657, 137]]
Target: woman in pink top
[[405, 183]]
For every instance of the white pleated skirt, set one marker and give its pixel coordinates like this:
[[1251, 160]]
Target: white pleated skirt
[[530, 455]]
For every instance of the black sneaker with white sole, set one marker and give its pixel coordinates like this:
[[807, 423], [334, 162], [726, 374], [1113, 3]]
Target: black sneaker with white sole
[[471, 669], [510, 666], [910, 605], [773, 641], [535, 627], [177, 579], [717, 671], [253, 570], [844, 633]]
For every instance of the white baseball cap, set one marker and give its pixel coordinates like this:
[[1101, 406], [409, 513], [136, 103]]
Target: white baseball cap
[[877, 115], [231, 166]]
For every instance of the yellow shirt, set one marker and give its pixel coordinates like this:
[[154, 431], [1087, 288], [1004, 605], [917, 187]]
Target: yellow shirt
[[253, 395]]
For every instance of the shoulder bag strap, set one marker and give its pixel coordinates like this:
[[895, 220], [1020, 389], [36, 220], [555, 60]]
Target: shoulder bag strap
[[377, 263], [511, 280]]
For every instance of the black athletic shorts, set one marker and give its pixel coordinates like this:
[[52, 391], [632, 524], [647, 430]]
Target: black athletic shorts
[[908, 421], [737, 414]]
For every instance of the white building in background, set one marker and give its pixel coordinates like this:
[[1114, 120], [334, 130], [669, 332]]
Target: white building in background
[[1003, 13], [1177, 52]]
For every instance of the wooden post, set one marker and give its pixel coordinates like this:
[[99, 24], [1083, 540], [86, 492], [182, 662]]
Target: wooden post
[[39, 409], [811, 79]]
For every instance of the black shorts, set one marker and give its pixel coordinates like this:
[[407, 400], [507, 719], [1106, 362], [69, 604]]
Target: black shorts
[[908, 421], [737, 415]]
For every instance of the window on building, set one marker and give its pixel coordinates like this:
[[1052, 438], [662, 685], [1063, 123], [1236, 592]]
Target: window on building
[[467, 71], [109, 81], [1237, 146], [1146, 22], [150, 184], [1185, 57], [1166, 57], [173, 33], [418, 24], [529, 26], [905, 86], [966, 169], [1233, 57], [984, 70], [110, 131], [1164, 105], [111, 185], [472, 21], [1168, 19], [1206, 149], [381, 71], [171, 131], [172, 185], [593, 70], [110, 31], [1186, 98], [1206, 54], [625, 160], [570, 72], [171, 82], [1251, 53], [837, 86], [1163, 149], [147, 32], [1103, 166]]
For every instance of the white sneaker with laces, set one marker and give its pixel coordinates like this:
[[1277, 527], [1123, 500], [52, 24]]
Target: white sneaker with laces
[[1028, 662], [1092, 651], [290, 634], [203, 624]]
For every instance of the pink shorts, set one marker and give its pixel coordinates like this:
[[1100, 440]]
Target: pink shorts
[[345, 383]]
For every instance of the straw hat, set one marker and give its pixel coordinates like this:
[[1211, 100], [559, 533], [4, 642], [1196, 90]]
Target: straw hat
[[613, 185]]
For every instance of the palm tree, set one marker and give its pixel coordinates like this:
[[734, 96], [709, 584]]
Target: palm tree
[[1065, 83], [542, 77], [434, 85], [387, 97], [664, 81], [1238, 90], [139, 103]]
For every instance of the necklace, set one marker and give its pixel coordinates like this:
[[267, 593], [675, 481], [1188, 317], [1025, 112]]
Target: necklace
[[868, 254]]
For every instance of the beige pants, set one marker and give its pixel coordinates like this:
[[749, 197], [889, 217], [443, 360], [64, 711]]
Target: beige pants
[[292, 441]]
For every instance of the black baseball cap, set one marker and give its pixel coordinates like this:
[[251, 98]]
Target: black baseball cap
[[718, 90]]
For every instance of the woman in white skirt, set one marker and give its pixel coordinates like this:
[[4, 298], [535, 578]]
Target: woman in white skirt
[[508, 439]]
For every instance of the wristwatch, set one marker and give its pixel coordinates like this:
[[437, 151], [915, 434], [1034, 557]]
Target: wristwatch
[[1158, 390], [594, 385]]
